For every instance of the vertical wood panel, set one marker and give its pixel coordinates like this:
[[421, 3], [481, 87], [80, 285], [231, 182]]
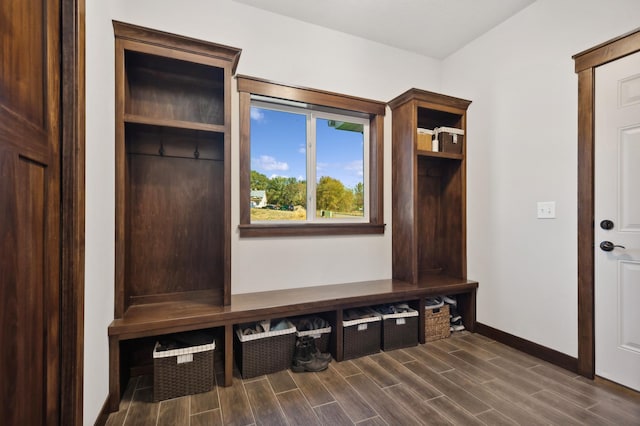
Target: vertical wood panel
[[22, 86], [586, 278]]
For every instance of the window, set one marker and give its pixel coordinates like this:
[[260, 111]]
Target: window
[[311, 162]]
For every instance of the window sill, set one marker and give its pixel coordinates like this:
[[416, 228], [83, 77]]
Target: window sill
[[311, 229]]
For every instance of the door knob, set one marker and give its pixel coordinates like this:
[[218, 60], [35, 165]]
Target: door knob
[[606, 224], [609, 246]]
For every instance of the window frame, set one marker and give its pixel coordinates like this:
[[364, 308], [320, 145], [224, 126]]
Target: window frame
[[374, 110]]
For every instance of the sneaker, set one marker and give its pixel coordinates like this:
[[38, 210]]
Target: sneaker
[[457, 325], [434, 302], [450, 300]]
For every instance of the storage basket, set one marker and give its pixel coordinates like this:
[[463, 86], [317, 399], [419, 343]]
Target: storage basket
[[399, 330], [436, 323], [264, 353], [449, 139], [183, 371], [321, 336], [361, 336], [425, 137]]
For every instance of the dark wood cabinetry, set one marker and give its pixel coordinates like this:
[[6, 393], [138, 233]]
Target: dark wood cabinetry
[[429, 199], [172, 169]]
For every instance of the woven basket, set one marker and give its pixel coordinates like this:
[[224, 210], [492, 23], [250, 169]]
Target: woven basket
[[361, 337], [321, 335], [181, 372], [436, 323], [399, 330], [264, 353]]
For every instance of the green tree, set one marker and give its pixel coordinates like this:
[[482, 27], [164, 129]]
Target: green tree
[[295, 192], [276, 190], [259, 182], [358, 196], [332, 195]]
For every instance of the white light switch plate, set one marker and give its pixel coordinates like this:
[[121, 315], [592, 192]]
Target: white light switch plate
[[546, 209]]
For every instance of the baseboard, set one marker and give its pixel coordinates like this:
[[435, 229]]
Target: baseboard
[[103, 416], [550, 355]]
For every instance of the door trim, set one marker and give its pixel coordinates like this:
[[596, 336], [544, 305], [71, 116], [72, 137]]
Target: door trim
[[586, 63], [72, 200]]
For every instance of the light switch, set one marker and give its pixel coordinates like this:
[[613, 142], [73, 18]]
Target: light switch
[[546, 209]]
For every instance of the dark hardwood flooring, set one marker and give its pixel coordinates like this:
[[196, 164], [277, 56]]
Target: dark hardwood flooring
[[467, 379]]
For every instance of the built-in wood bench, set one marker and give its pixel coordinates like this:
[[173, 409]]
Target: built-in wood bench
[[147, 321]]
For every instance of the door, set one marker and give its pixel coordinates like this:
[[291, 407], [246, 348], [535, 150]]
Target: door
[[617, 200], [29, 211]]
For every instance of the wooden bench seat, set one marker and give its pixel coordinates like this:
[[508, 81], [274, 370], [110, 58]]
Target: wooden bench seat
[[144, 321]]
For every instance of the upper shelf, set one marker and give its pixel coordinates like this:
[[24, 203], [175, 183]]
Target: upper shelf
[[174, 90], [448, 155], [178, 124]]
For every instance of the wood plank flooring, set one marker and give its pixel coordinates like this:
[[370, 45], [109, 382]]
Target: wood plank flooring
[[467, 379]]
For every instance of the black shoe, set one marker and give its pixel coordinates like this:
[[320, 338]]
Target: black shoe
[[304, 358], [322, 356]]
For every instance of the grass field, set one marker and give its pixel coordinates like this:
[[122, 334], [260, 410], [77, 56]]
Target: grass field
[[298, 214]]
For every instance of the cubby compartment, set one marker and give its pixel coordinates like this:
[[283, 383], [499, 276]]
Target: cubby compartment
[[169, 89], [174, 220]]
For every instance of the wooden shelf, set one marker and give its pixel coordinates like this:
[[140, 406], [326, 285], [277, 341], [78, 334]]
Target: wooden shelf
[[177, 124], [433, 154]]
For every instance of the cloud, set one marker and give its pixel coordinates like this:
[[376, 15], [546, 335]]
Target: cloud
[[257, 115], [266, 162], [302, 149], [355, 166]]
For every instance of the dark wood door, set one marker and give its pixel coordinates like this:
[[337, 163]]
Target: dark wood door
[[29, 211]]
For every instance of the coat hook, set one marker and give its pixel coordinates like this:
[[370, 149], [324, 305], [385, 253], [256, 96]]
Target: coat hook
[[196, 153]]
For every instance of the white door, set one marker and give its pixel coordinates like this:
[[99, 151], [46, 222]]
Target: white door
[[617, 199]]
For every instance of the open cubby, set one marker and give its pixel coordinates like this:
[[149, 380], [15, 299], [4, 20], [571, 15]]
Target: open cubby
[[174, 218], [174, 90]]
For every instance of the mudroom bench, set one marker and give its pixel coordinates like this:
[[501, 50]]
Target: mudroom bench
[[142, 324]]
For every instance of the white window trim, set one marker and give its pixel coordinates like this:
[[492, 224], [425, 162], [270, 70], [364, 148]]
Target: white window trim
[[312, 113]]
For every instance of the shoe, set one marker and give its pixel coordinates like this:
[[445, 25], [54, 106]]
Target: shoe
[[449, 300], [322, 356], [457, 325], [304, 358], [434, 302]]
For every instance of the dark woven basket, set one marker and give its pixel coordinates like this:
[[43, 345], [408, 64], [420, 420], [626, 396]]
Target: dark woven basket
[[399, 332], [321, 337], [437, 324], [264, 355], [172, 380], [360, 341]]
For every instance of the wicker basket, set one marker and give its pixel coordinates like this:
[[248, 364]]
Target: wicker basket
[[264, 353], [184, 371], [436, 323], [399, 330], [361, 337], [321, 335]]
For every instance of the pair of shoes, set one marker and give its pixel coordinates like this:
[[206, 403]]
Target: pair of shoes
[[307, 357]]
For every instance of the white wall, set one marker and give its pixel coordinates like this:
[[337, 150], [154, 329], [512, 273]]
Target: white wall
[[100, 196], [522, 130], [275, 48]]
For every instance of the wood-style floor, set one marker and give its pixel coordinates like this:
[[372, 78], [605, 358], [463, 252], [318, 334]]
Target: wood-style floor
[[464, 380]]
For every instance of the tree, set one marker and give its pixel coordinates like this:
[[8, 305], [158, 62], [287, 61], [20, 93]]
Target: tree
[[276, 190], [332, 195], [259, 182], [295, 192], [358, 196]]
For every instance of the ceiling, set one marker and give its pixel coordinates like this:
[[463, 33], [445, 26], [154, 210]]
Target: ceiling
[[435, 28]]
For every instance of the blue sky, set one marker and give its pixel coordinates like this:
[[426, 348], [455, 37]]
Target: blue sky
[[278, 147]]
